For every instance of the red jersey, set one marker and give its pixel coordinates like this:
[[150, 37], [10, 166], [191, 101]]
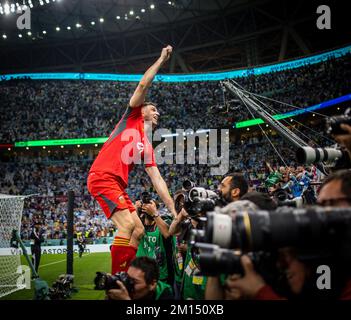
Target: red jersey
[[127, 145]]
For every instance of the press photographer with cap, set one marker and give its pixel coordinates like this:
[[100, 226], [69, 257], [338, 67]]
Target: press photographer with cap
[[144, 274]]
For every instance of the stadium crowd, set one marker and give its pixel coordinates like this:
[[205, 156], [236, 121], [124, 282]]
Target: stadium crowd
[[35, 110]]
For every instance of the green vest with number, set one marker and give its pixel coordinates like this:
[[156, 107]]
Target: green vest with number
[[177, 261], [151, 245], [194, 284]]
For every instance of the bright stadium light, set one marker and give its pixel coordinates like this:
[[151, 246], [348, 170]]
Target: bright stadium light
[[44, 31], [12, 8], [78, 25], [92, 23], [68, 28], [58, 29], [6, 8], [29, 33], [142, 10], [4, 36], [118, 17], [101, 20], [152, 6], [131, 12], [19, 36]]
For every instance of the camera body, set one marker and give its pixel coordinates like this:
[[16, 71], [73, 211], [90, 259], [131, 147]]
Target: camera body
[[333, 123], [196, 200], [146, 197], [213, 260], [62, 288], [105, 281]]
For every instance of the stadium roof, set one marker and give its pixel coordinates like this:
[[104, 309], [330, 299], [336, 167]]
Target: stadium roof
[[126, 35]]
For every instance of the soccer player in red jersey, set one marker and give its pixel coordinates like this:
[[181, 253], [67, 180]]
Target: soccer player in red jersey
[[108, 176]]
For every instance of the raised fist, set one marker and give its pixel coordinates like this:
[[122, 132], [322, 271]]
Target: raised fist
[[166, 53]]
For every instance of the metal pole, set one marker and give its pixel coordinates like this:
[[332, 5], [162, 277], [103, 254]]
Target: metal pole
[[70, 218]]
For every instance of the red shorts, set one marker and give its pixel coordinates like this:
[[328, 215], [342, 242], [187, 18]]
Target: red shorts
[[109, 192]]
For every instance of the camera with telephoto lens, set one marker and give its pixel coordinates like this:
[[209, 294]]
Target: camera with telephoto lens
[[62, 288], [105, 281], [195, 200], [333, 123], [213, 260], [317, 230]]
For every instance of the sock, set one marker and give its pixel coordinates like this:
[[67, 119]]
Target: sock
[[122, 253]]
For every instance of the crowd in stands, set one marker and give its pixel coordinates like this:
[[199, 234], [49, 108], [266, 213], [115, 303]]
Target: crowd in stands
[[35, 110]]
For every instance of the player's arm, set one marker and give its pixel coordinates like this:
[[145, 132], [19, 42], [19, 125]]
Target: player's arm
[[139, 94], [161, 188], [269, 167]]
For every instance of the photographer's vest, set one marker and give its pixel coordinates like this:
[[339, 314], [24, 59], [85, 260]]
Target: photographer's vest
[[151, 245], [161, 288], [273, 178], [178, 260], [194, 284]]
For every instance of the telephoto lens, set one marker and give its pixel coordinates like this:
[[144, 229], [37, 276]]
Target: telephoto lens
[[313, 228]]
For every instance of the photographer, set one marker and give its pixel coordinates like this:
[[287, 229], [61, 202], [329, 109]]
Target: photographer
[[156, 242], [345, 139], [81, 243], [37, 237], [300, 269], [217, 287], [233, 187], [275, 177], [144, 274], [193, 283]]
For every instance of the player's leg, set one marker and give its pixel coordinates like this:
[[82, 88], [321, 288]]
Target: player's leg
[[138, 231], [115, 204], [122, 219], [122, 252]]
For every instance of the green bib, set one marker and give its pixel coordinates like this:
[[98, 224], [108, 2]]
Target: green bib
[[161, 287], [151, 245], [177, 261], [194, 284]]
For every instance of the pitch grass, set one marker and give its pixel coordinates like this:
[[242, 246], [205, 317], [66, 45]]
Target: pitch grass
[[84, 269]]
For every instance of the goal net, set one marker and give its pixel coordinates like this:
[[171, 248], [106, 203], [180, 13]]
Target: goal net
[[10, 259]]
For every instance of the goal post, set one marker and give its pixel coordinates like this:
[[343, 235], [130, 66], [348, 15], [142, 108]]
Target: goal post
[[11, 277]]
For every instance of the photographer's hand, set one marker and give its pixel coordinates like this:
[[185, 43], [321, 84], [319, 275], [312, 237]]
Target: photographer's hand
[[232, 293], [119, 294], [150, 208], [138, 204], [175, 226], [251, 283]]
